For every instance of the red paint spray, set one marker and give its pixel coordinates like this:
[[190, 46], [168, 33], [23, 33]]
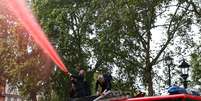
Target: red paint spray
[[24, 15]]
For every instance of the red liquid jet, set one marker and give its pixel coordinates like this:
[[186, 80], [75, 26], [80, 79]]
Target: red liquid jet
[[26, 18]]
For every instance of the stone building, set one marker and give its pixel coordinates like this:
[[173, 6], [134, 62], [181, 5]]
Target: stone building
[[7, 93]]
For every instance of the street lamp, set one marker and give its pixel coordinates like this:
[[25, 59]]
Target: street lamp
[[184, 72], [169, 62]]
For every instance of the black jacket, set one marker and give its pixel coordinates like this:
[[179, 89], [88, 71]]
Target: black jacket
[[106, 85], [81, 86]]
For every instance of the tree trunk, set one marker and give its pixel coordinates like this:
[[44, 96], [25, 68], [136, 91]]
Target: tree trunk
[[148, 66], [150, 82]]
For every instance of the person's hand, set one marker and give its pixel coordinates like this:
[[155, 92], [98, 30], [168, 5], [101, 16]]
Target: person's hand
[[104, 92], [97, 93], [69, 74]]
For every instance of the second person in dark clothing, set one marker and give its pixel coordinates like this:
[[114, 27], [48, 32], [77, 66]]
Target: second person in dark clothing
[[104, 81]]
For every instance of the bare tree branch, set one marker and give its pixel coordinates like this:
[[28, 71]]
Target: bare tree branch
[[170, 33]]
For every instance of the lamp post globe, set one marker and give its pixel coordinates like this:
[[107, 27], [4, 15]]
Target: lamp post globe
[[184, 66]]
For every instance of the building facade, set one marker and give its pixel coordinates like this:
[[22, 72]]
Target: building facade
[[7, 93]]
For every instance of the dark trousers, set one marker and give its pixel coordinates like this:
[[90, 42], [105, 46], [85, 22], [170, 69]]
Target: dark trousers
[[87, 98]]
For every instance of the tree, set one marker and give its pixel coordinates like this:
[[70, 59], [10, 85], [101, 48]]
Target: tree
[[116, 33], [195, 56], [195, 59], [23, 64], [125, 34], [68, 26]]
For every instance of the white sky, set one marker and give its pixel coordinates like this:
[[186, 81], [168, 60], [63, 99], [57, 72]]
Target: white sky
[[157, 35]]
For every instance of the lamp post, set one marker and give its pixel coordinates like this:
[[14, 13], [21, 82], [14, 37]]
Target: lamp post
[[184, 72], [169, 62]]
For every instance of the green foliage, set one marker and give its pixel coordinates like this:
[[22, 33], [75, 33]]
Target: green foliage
[[195, 56], [196, 68], [114, 34], [111, 34], [69, 27], [22, 63]]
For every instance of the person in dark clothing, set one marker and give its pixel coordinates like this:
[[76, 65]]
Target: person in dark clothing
[[80, 87], [104, 81], [72, 92], [140, 94]]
